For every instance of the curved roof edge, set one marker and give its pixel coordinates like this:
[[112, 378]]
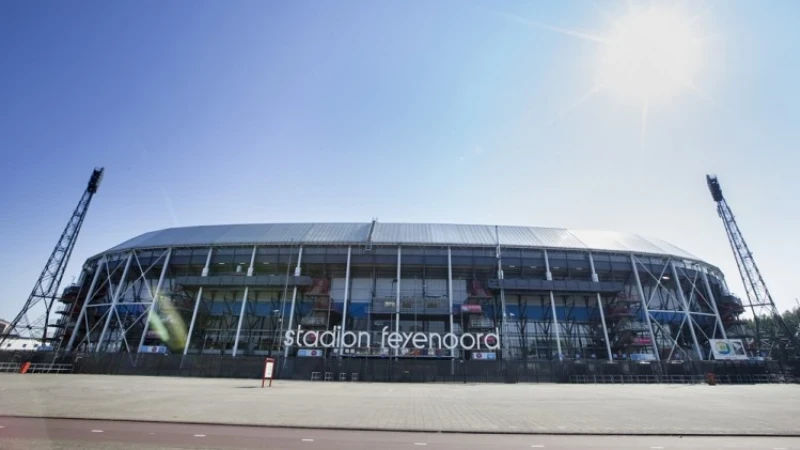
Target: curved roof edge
[[422, 234]]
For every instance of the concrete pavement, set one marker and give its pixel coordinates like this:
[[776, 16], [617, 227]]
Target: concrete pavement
[[74, 434], [485, 408]]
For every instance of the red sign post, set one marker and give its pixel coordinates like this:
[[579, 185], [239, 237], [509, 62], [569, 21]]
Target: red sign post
[[269, 366]]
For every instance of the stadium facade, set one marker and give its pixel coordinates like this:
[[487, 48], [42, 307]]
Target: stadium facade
[[372, 290]]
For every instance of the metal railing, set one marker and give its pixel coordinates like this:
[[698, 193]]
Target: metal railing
[[11, 367], [420, 369], [50, 368]]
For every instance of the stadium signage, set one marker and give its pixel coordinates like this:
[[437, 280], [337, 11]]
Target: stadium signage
[[349, 339]]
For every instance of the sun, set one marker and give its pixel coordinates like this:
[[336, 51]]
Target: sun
[[650, 55]]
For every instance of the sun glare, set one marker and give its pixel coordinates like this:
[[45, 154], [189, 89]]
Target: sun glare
[[650, 55]]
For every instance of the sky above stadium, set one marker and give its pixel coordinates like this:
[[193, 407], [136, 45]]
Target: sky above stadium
[[580, 114]]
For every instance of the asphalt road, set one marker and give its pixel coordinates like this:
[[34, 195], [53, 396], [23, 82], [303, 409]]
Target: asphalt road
[[24, 433]]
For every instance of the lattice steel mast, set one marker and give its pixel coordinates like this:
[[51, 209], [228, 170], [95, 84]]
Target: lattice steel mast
[[34, 319], [758, 296]]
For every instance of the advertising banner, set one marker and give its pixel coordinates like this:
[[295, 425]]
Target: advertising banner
[[484, 355], [308, 352], [153, 349], [728, 349], [471, 308]]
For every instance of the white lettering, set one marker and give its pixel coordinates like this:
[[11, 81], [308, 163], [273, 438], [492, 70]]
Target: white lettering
[[329, 334], [471, 338], [453, 341], [419, 340], [407, 337], [384, 332], [438, 337], [395, 339], [313, 343], [367, 339], [344, 339], [492, 341], [289, 338]]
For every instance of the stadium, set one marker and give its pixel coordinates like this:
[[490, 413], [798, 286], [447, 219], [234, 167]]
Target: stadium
[[398, 291]]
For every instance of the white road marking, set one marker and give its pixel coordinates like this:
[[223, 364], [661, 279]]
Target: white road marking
[[537, 446], [420, 443], [779, 448], [1, 426], [199, 435], [307, 440], [97, 431], [656, 447]]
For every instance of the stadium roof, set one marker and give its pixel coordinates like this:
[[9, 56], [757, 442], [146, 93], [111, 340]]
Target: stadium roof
[[425, 234]]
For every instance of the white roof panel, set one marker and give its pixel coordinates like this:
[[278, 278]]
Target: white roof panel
[[401, 234]]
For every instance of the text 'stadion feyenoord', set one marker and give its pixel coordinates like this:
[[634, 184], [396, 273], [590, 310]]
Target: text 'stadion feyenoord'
[[361, 339]]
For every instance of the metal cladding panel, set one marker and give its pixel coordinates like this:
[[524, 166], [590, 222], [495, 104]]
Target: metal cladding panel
[[604, 240], [402, 234], [282, 233], [670, 249], [519, 237], [135, 242], [251, 233], [558, 238], [433, 234], [539, 237], [346, 233]]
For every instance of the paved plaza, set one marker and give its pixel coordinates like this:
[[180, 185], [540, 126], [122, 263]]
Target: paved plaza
[[507, 408]]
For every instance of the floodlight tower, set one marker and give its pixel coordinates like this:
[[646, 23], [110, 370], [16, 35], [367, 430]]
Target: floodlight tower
[[34, 320], [758, 297]]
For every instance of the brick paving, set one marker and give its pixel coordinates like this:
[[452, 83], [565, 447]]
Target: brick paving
[[508, 408]]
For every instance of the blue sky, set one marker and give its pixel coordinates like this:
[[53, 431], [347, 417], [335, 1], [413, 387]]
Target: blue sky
[[251, 111]]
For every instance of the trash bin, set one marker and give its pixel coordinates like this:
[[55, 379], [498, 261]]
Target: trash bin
[[711, 378]]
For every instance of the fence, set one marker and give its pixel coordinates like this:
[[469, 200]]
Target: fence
[[412, 370]]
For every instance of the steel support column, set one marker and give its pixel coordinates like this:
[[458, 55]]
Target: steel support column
[[244, 304], [450, 301], [113, 307], [294, 300], [685, 304], [596, 279], [346, 298], [397, 297], [154, 303], [98, 268], [500, 277], [644, 306], [549, 276], [197, 303], [713, 302], [555, 326]]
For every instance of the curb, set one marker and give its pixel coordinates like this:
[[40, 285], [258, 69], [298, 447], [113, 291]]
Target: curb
[[406, 430]]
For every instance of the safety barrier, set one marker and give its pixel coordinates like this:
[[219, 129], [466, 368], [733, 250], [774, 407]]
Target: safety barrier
[[50, 368], [412, 369], [10, 367]]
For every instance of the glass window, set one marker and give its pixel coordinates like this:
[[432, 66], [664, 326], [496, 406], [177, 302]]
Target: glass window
[[575, 256]]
